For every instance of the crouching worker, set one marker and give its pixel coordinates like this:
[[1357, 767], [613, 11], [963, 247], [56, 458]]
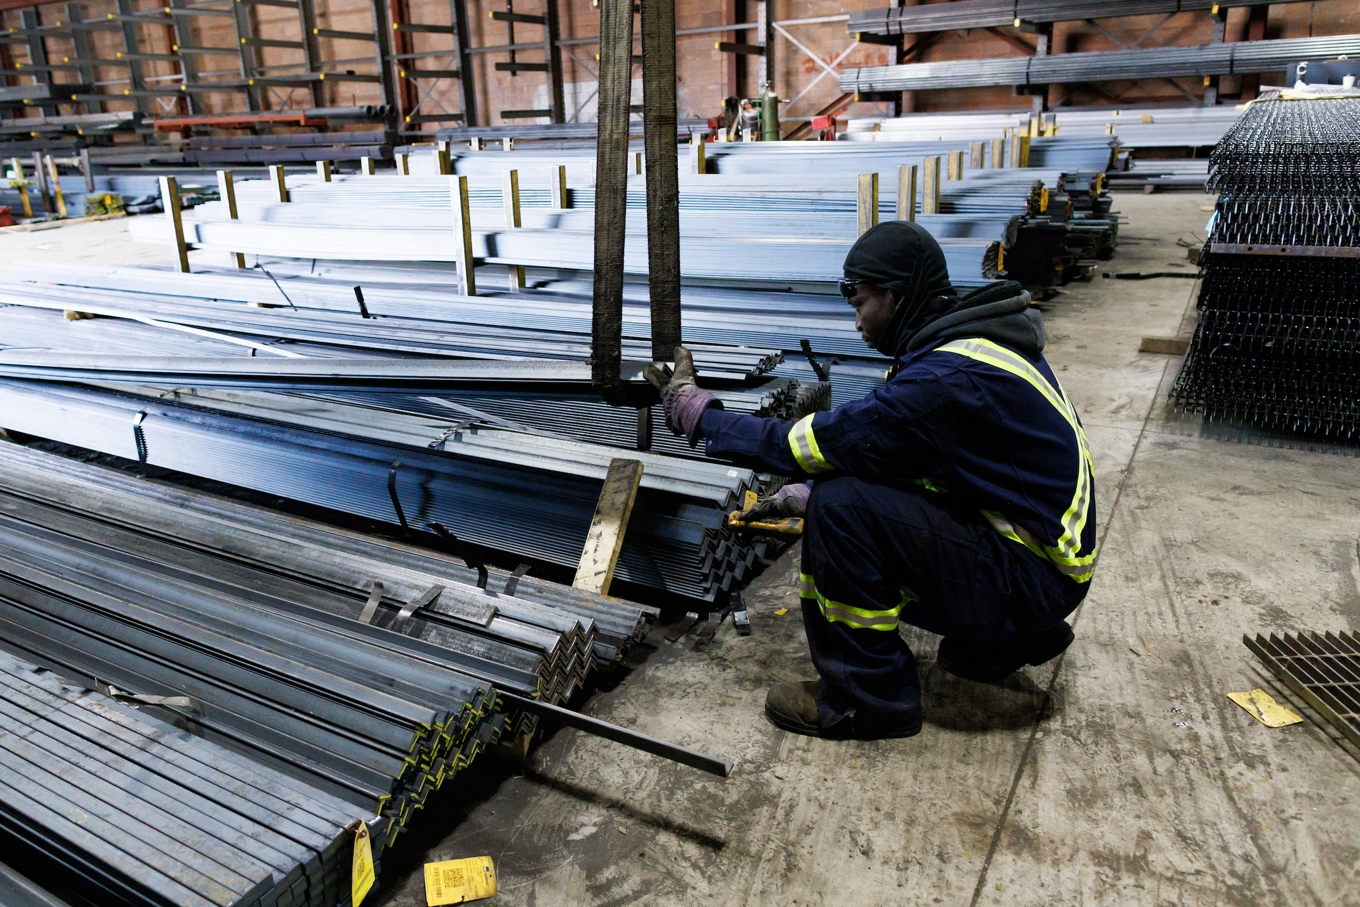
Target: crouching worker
[[959, 497]]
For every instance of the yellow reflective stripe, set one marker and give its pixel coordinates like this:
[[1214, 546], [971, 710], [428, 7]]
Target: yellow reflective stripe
[[803, 443], [859, 618], [1066, 553]]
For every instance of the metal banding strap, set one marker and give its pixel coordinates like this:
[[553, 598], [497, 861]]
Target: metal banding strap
[[374, 599], [396, 501], [139, 436], [404, 615], [803, 443], [455, 428], [172, 702], [463, 551], [512, 581], [817, 368]]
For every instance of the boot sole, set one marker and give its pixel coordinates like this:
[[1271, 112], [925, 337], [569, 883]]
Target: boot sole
[[794, 726]]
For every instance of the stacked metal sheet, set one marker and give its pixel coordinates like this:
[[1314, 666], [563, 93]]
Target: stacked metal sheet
[[115, 807], [1279, 328]]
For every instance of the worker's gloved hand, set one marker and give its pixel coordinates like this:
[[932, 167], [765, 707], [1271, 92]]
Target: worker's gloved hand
[[683, 400], [786, 503]]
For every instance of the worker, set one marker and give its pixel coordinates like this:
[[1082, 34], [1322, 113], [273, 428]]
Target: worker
[[958, 498]]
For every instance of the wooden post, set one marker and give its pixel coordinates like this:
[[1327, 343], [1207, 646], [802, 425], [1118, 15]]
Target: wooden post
[[637, 163], [170, 201], [280, 183], [476, 143], [955, 165], [557, 188], [659, 119], [998, 153], [698, 160], [976, 153], [323, 171], [604, 539], [462, 235], [868, 202], [226, 188], [510, 198], [23, 187], [403, 164], [57, 195], [906, 192], [508, 143], [366, 166], [85, 169], [40, 177], [1024, 151], [611, 194], [930, 186]]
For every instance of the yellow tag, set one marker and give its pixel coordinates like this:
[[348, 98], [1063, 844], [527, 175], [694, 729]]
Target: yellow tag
[[1265, 709], [456, 881], [750, 500], [361, 881], [781, 612]]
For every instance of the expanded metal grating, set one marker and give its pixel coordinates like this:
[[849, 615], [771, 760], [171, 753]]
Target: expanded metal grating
[[1279, 320], [1322, 668]]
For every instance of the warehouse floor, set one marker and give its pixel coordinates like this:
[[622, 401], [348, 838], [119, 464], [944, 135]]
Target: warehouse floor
[[1119, 775]]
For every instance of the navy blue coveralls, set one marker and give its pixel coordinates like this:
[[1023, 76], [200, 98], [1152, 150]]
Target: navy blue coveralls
[[959, 497]]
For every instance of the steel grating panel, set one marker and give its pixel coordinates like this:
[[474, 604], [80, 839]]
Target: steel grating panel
[[1322, 668]]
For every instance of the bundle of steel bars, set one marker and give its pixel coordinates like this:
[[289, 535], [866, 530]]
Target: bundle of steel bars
[[506, 490], [1093, 66], [1278, 336], [510, 607], [364, 713], [966, 14], [115, 807]]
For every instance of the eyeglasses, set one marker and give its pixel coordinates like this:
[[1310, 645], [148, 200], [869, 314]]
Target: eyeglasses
[[848, 287]]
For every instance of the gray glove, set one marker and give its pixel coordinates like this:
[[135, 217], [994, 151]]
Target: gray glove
[[788, 502]]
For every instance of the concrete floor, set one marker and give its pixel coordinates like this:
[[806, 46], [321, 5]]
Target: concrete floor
[[1120, 774]]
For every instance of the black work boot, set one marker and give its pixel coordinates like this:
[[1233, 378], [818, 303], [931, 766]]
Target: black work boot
[[992, 665], [793, 707]]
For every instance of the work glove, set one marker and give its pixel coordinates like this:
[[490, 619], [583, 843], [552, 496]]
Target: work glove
[[683, 399], [788, 502]]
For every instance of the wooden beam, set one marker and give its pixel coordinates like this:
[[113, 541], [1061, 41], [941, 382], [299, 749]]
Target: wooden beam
[[604, 540]]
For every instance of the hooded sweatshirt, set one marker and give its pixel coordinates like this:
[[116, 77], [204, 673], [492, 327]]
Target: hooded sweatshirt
[[971, 409]]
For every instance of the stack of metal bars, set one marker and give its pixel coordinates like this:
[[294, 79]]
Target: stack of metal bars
[[1279, 332], [1164, 62], [504, 490], [549, 652], [515, 612], [375, 717], [116, 807]]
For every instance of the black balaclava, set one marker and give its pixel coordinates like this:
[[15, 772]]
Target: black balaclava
[[904, 258]]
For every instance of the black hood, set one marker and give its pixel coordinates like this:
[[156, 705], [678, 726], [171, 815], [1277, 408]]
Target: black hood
[[901, 256], [999, 312]]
